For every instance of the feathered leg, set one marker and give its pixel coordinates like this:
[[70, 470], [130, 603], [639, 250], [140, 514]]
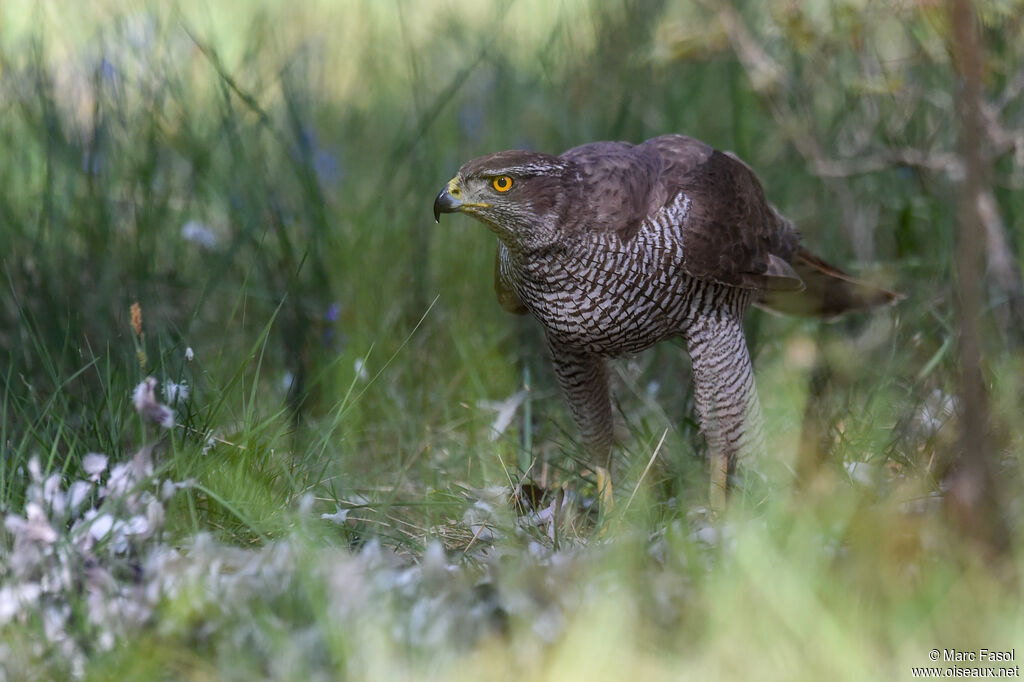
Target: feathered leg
[[726, 397], [584, 381]]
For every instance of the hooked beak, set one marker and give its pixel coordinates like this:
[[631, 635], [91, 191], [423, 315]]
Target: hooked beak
[[447, 201]]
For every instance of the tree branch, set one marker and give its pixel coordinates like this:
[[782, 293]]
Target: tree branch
[[972, 497]]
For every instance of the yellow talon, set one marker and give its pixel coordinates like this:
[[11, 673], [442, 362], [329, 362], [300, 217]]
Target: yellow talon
[[719, 481], [604, 489]]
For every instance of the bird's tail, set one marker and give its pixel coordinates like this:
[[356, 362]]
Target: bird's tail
[[828, 291]]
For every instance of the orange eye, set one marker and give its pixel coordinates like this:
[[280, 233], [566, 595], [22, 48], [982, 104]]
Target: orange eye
[[502, 183]]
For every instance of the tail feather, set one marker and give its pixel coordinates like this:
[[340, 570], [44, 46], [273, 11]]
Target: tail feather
[[828, 291]]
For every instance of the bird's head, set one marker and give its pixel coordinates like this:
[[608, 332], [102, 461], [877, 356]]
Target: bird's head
[[522, 196]]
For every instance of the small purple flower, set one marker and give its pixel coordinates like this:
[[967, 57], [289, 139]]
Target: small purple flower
[[198, 233], [327, 167], [107, 70], [146, 404], [94, 464], [333, 312]]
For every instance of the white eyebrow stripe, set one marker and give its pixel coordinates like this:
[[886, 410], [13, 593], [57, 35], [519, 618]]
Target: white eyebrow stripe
[[522, 169]]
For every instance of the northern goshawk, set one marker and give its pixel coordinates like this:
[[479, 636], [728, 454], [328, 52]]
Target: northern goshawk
[[614, 247]]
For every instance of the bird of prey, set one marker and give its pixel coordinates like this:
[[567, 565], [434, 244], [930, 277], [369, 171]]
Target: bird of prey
[[614, 247]]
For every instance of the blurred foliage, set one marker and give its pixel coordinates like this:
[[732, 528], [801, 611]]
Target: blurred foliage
[[223, 174], [258, 176]]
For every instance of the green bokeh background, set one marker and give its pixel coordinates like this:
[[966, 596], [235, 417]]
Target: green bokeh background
[[347, 347]]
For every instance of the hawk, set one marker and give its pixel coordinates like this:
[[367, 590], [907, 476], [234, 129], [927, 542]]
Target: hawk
[[614, 247]]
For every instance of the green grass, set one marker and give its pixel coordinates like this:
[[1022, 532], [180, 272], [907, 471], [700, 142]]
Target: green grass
[[347, 353]]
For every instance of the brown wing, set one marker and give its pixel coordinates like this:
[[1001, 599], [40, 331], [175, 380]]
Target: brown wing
[[732, 234]]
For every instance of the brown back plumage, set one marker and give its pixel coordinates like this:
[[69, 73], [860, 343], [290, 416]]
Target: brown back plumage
[[732, 235]]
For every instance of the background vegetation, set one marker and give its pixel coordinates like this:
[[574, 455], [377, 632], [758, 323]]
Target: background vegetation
[[332, 498]]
